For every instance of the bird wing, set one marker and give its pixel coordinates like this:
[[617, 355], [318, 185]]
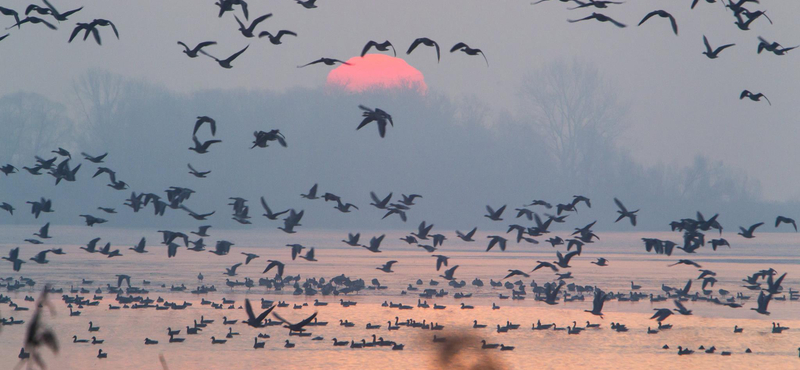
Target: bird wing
[[674, 24], [471, 233], [284, 32], [258, 20], [754, 227], [234, 56], [458, 46], [744, 94], [648, 16], [367, 47], [569, 256], [708, 46], [621, 206]]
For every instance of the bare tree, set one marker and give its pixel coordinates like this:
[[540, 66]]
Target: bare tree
[[33, 125], [99, 94], [578, 114]]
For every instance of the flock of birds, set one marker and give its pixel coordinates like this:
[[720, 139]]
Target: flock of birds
[[766, 282]]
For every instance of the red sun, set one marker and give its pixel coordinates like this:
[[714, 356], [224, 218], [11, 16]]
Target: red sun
[[377, 71]]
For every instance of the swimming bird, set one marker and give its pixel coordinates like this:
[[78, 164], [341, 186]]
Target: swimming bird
[[468, 236], [387, 267], [712, 54], [101, 354], [468, 50], [623, 212], [427, 42], [202, 148], [276, 39], [192, 53], [749, 232], [753, 97], [226, 63], [248, 31], [662, 14], [326, 61], [600, 18]]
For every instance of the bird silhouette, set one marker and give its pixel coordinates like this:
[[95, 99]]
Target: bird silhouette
[[662, 14], [226, 63], [468, 50], [192, 53]]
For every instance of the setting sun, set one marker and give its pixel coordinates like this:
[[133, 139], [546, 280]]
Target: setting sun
[[377, 71]]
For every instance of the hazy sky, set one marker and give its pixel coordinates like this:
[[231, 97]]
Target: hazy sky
[[681, 103]]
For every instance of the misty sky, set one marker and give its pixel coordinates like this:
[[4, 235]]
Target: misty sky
[[681, 103]]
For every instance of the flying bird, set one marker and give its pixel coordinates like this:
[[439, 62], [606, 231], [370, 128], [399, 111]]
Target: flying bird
[[712, 54], [427, 42], [387, 267], [597, 303], [192, 53], [468, 236], [205, 119], [749, 232], [276, 38], [753, 97], [202, 148], [326, 61], [468, 50], [196, 173], [226, 63], [600, 18], [379, 116], [623, 212], [662, 14], [786, 220], [248, 31], [384, 46], [494, 215]]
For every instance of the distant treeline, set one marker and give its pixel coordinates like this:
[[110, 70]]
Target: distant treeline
[[445, 150]]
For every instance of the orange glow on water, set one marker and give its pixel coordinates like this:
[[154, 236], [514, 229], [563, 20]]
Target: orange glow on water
[[377, 71]]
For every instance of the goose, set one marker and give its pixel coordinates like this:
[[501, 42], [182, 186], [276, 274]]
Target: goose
[[438, 339], [288, 344], [737, 329], [662, 14], [504, 347], [97, 341], [651, 331], [600, 18], [662, 326], [337, 343], [427, 42], [468, 236], [276, 38], [326, 61], [100, 354], [93, 328], [469, 51], [494, 215], [684, 351], [592, 326], [76, 340], [501, 329], [484, 345], [74, 313], [384, 46], [257, 344], [218, 341], [149, 341], [225, 63], [191, 331], [248, 31]]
